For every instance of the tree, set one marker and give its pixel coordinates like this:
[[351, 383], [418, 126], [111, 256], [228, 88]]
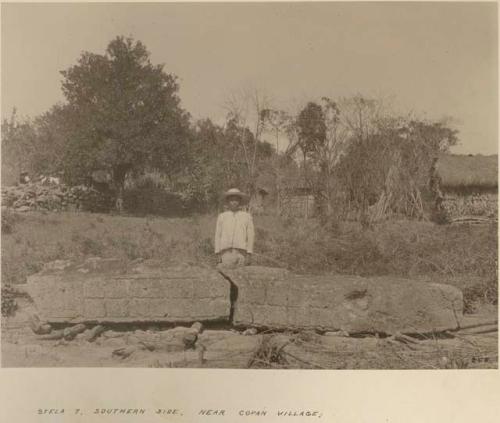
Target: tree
[[213, 163], [311, 128], [244, 110], [125, 114], [327, 154], [418, 144], [363, 116], [19, 146], [217, 160], [323, 133], [278, 122], [311, 132], [388, 170], [52, 132], [433, 137]]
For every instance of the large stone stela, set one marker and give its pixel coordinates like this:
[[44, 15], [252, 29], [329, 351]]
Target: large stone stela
[[107, 291]]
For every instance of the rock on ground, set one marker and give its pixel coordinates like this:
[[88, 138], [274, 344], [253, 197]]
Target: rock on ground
[[272, 298], [105, 291], [110, 291]]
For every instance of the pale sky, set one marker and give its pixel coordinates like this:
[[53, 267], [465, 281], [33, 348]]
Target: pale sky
[[434, 59]]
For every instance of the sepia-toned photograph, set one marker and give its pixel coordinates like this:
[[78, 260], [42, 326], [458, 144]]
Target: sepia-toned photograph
[[249, 185]]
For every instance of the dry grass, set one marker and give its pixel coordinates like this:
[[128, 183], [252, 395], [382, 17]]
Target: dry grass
[[37, 238], [399, 248], [464, 256], [311, 351]]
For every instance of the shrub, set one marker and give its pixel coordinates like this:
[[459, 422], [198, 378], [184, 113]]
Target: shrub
[[92, 200], [9, 295], [92, 246], [9, 219], [485, 292], [148, 196], [9, 304]]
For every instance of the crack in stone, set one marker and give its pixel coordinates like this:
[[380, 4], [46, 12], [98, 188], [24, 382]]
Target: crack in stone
[[233, 295]]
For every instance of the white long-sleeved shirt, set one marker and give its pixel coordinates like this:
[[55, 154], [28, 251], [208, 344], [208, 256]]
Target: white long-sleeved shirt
[[234, 230]]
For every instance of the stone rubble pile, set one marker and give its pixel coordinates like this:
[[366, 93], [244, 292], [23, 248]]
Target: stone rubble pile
[[53, 197]]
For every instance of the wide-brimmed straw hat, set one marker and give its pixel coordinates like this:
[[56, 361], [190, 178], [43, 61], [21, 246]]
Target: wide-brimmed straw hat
[[235, 192]]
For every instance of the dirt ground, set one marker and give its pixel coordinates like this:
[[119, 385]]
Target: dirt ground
[[230, 348]]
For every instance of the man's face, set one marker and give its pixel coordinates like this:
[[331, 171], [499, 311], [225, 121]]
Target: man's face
[[234, 203]]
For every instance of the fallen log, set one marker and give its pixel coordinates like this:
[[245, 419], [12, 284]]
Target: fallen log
[[173, 340], [128, 351], [70, 333], [191, 336], [405, 339], [476, 325], [38, 327], [95, 332], [234, 352], [57, 334], [479, 330]]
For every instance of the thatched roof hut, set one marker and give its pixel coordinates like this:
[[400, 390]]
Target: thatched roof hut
[[467, 174]]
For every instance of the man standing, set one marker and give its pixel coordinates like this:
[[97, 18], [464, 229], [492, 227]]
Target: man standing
[[234, 233]]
